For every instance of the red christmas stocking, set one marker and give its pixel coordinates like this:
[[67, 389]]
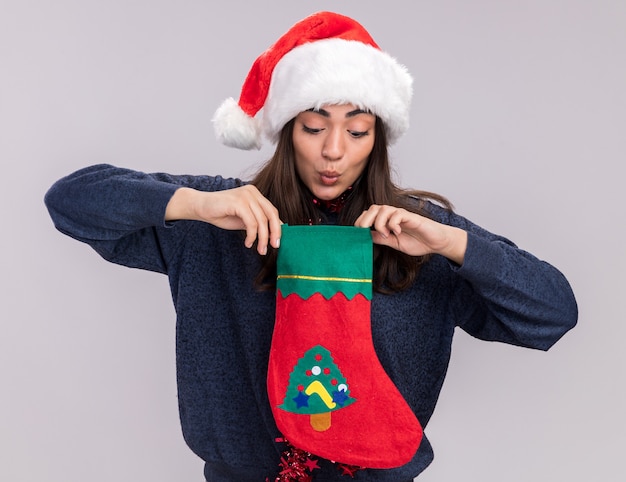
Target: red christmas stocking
[[328, 391]]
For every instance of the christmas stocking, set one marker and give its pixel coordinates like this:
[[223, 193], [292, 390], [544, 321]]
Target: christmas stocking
[[328, 391]]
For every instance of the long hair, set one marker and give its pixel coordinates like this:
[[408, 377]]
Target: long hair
[[279, 182]]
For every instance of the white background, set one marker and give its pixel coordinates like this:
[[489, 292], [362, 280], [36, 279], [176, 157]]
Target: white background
[[519, 117]]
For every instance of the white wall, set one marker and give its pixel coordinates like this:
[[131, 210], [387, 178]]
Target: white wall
[[519, 118]]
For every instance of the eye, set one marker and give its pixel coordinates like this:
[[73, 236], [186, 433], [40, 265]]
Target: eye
[[311, 130], [357, 134]]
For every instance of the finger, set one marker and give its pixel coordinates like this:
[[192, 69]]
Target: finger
[[378, 238], [250, 225], [275, 231], [367, 217], [248, 216], [381, 224], [269, 229], [396, 220], [360, 223], [375, 217], [262, 229], [272, 221], [252, 215]]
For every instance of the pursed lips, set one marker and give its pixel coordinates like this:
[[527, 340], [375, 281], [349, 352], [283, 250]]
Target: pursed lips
[[329, 177]]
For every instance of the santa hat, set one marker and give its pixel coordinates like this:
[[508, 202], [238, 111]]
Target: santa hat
[[325, 58]]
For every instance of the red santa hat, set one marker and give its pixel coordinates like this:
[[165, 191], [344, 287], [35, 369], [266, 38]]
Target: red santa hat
[[323, 59]]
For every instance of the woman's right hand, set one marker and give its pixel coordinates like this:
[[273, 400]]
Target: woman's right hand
[[241, 208]]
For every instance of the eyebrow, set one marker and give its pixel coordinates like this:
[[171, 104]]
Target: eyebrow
[[352, 113]]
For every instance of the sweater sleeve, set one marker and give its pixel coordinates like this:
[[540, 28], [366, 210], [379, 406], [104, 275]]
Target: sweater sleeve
[[120, 212], [503, 293]]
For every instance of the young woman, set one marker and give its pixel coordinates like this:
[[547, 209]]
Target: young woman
[[332, 101]]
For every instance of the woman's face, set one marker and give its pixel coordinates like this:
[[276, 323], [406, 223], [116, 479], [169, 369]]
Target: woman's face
[[332, 146]]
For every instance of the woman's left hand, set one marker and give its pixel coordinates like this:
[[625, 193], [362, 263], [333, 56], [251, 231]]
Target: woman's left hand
[[413, 234]]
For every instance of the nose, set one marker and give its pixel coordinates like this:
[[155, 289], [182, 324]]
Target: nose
[[333, 148]]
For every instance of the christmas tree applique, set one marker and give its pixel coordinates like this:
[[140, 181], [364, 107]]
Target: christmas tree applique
[[317, 388]]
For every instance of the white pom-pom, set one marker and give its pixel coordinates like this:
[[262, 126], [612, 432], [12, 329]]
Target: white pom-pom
[[234, 128]]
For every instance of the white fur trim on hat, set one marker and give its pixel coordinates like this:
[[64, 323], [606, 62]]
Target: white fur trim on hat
[[337, 71]]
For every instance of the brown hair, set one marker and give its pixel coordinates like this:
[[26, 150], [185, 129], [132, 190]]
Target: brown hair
[[278, 181]]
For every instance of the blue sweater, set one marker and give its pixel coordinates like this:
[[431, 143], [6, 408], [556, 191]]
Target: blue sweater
[[224, 325]]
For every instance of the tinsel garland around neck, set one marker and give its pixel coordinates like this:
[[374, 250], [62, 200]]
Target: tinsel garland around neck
[[330, 210], [333, 205]]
